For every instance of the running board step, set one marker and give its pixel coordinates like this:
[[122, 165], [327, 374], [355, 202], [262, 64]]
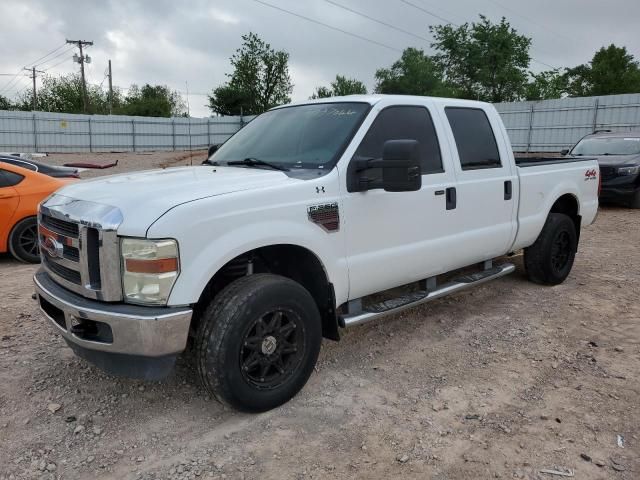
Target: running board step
[[396, 305]]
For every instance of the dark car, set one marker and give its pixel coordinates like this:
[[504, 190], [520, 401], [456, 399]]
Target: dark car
[[618, 155], [50, 170]]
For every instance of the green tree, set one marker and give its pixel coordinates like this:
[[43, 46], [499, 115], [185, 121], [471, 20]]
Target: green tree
[[5, 103], [64, 94], [260, 80], [483, 60], [339, 87], [546, 85], [413, 74], [152, 101], [613, 70]]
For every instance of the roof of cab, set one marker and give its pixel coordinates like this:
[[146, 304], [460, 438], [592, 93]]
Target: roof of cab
[[372, 99]]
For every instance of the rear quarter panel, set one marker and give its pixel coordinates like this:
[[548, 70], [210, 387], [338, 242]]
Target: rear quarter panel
[[541, 186]]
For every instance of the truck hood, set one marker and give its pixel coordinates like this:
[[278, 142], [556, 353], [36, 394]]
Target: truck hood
[[618, 160], [143, 197]]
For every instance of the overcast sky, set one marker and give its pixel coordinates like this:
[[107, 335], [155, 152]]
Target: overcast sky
[[174, 42]]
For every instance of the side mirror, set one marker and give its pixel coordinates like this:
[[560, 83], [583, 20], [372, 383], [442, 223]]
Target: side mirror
[[564, 152], [401, 170]]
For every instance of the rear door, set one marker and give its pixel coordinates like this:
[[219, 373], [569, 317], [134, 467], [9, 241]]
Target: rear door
[[486, 178]]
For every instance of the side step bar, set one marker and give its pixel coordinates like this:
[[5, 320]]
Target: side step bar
[[396, 305]]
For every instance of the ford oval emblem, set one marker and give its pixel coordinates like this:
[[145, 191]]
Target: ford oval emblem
[[52, 246]]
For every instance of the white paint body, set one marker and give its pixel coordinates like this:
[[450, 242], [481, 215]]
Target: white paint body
[[385, 239]]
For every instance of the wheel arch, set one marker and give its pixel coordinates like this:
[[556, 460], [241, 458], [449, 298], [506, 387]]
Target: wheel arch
[[291, 261], [569, 205]]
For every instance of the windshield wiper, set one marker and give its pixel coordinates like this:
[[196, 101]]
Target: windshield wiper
[[252, 162]]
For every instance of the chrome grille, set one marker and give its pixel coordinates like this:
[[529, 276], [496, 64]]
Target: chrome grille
[[79, 246], [68, 274], [61, 226]]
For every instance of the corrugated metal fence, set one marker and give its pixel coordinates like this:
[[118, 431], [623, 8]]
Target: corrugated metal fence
[[548, 125], [551, 125], [61, 132]]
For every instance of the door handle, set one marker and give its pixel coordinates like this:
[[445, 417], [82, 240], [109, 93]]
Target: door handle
[[508, 190], [451, 198]]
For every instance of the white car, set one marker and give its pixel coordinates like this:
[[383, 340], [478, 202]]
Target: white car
[[284, 234]]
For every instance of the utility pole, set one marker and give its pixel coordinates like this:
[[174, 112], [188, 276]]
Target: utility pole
[[82, 59], [110, 90], [33, 77]]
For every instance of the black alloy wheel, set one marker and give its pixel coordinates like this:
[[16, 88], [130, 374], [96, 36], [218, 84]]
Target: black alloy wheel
[[272, 349]]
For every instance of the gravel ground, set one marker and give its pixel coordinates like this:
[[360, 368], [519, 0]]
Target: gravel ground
[[503, 381]]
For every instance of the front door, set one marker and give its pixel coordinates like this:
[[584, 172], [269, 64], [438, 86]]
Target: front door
[[395, 238]]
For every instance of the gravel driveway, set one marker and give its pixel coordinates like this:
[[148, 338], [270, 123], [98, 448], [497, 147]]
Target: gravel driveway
[[504, 381]]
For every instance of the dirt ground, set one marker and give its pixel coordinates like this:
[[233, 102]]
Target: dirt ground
[[503, 381]]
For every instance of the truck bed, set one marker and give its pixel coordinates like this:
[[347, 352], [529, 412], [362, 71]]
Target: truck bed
[[543, 181]]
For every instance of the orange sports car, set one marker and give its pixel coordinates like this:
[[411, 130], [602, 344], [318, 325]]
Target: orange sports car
[[21, 191]]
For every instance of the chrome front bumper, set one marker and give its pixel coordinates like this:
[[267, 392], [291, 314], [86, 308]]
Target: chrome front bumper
[[116, 328]]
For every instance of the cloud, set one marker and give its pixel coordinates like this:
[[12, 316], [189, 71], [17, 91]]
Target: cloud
[[168, 42]]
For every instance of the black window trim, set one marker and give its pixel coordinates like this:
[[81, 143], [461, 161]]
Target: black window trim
[[433, 172], [474, 167]]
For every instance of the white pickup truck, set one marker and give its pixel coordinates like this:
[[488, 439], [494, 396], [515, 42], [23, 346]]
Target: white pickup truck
[[287, 231]]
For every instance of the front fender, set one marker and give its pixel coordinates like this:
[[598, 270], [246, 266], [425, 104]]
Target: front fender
[[212, 232]]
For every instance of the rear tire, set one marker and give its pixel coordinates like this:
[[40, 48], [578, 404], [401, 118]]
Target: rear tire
[[23, 241], [550, 259], [258, 341]]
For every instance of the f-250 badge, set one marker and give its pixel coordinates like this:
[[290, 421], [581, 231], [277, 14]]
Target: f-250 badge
[[325, 215]]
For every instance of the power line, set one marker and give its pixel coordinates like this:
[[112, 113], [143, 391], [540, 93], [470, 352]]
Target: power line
[[407, 32], [8, 85], [429, 12], [64, 52], [35, 62], [318, 22], [54, 66], [11, 82]]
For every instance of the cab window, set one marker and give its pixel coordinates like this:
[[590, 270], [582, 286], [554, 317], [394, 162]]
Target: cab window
[[477, 147], [403, 123]]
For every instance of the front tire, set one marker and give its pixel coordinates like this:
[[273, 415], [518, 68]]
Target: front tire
[[635, 203], [258, 341], [23, 241], [550, 259]]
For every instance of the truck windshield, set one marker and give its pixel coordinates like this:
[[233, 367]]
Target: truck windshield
[[608, 146], [303, 136]]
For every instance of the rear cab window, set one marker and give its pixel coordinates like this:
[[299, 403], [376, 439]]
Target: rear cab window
[[475, 139]]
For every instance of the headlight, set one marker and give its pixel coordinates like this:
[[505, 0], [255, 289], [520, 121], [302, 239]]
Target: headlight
[[629, 170], [150, 268]]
